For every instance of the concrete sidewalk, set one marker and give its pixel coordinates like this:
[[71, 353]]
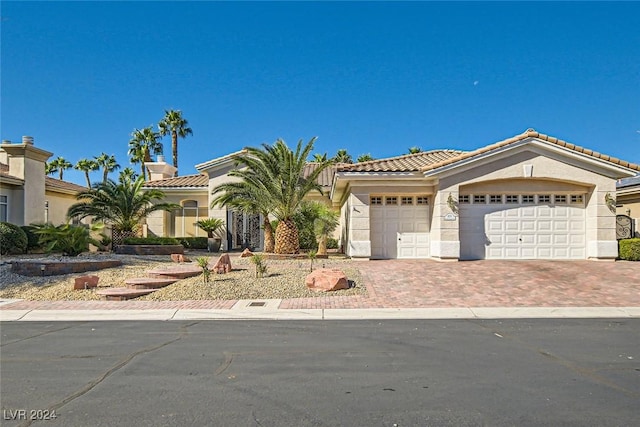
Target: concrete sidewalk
[[269, 310]]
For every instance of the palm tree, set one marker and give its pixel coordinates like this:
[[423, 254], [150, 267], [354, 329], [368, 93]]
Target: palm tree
[[274, 173], [246, 197], [173, 123], [144, 142], [364, 158], [86, 166], [127, 174], [342, 156], [124, 205], [415, 150], [325, 224], [319, 158], [59, 165], [107, 163]]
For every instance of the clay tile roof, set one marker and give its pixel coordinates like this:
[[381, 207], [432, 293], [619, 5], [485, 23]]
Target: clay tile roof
[[54, 184], [325, 178], [531, 133], [186, 181], [405, 163]]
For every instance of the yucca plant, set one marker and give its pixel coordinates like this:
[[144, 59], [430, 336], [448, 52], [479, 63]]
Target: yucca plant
[[261, 266], [203, 262]]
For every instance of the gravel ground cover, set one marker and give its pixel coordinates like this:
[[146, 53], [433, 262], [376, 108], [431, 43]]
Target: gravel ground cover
[[284, 279]]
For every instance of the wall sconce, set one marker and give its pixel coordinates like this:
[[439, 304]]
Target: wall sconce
[[610, 201], [452, 203]]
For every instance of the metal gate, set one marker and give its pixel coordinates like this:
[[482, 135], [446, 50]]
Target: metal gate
[[624, 227]]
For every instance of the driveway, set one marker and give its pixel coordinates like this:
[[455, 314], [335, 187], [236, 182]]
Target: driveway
[[426, 283]]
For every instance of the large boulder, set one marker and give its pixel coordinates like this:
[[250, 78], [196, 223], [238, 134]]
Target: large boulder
[[327, 279], [180, 258], [223, 265]]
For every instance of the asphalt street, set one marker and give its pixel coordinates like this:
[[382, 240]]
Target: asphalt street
[[520, 372]]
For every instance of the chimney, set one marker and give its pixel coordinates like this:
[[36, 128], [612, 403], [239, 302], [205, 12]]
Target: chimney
[[27, 140]]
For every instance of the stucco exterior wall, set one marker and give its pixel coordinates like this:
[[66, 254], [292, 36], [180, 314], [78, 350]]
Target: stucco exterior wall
[[59, 204]]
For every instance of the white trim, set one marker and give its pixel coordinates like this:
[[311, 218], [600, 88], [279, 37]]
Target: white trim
[[219, 161]]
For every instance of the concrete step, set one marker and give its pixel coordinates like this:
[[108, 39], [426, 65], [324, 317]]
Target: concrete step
[[148, 282], [122, 294], [175, 272]]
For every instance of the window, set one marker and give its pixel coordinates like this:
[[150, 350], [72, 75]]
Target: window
[[560, 198], [577, 198], [463, 198], [422, 200], [375, 200], [4, 208], [495, 198], [406, 200], [479, 198], [512, 198], [391, 200], [544, 198], [528, 199]]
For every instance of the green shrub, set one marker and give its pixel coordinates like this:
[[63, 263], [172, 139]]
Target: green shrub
[[193, 242], [151, 241], [332, 243], [33, 240], [69, 239], [13, 239], [629, 249]]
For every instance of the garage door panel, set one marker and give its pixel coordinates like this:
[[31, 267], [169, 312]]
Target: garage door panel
[[522, 231], [399, 231]]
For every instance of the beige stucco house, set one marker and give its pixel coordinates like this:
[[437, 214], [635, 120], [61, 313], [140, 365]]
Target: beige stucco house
[[531, 196], [27, 195]]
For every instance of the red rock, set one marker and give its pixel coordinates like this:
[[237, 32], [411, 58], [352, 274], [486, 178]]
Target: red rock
[[223, 265], [326, 279], [179, 258], [85, 282], [246, 253]]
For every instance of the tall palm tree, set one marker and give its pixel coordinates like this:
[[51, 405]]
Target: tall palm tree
[[275, 173], [415, 150], [319, 158], [127, 174], [107, 163], [59, 164], [124, 205], [86, 166], [144, 142], [342, 156], [173, 123], [364, 158]]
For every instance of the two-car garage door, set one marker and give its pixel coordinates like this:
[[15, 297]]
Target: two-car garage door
[[532, 226]]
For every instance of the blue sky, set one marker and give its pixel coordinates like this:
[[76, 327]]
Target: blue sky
[[373, 78]]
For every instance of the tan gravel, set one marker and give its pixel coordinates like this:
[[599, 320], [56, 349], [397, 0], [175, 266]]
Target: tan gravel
[[284, 279]]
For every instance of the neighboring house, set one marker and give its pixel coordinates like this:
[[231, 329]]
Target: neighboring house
[[531, 196], [27, 195], [628, 201]]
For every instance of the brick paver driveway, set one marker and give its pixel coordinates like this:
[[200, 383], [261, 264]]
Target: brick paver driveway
[[426, 283]]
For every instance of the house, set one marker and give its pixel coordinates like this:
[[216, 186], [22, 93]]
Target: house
[[27, 195], [531, 196]]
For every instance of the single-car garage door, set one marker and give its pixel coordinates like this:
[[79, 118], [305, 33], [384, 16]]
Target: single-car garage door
[[529, 226], [399, 227]]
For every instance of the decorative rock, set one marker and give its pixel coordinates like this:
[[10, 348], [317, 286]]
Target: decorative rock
[[326, 279], [179, 258], [85, 282], [223, 265], [246, 253], [175, 272]]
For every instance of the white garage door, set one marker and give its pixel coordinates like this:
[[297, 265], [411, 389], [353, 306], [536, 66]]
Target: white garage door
[[399, 227], [541, 226]]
